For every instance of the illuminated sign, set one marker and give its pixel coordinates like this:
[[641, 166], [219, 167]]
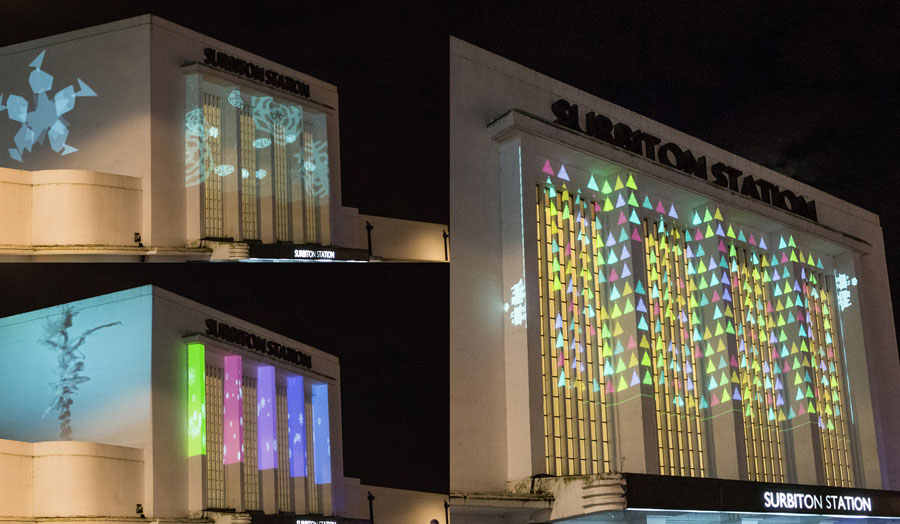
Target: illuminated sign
[[254, 72], [671, 155], [807, 501], [316, 254], [256, 343], [307, 521]]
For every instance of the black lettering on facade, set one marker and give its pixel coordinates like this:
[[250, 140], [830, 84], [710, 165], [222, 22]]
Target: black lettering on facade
[[694, 166], [676, 159], [255, 72], [566, 114], [671, 155], [748, 187], [718, 173]]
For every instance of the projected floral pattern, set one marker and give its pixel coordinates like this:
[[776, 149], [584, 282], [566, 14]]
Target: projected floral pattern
[[70, 365]]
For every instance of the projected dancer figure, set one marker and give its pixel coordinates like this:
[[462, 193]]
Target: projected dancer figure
[[69, 366], [45, 120]]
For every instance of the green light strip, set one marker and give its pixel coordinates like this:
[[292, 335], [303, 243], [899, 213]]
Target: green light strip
[[196, 399]]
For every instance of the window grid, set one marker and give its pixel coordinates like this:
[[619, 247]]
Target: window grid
[[249, 182], [284, 469], [829, 379], [215, 465], [251, 465], [282, 188], [310, 201], [772, 324], [761, 435], [678, 419], [212, 183], [576, 430]]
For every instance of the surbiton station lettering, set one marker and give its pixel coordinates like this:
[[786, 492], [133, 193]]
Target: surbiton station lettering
[[671, 155], [781, 500], [256, 343]]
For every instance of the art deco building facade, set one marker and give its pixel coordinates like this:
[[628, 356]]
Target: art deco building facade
[[628, 300], [141, 138], [142, 403]]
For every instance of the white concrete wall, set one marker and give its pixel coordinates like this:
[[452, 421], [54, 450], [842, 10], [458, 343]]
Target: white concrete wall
[[393, 506], [68, 207], [485, 87], [112, 130], [69, 479], [395, 239], [85, 207], [15, 207]]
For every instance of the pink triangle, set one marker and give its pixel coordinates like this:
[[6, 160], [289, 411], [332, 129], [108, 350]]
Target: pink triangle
[[660, 208], [752, 240], [631, 343], [622, 218], [547, 168]]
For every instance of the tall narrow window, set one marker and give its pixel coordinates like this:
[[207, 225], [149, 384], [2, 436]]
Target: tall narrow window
[[284, 477], [213, 215], [251, 469], [249, 182], [282, 187], [215, 465]]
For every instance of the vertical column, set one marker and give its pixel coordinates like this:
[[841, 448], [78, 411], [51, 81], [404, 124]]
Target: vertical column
[[322, 446], [715, 344], [297, 446], [233, 451], [793, 329], [193, 136], [630, 386], [266, 440], [196, 388], [228, 172]]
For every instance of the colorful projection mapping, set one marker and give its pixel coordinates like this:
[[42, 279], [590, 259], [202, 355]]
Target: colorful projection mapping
[[267, 423], [643, 298], [80, 371], [45, 119]]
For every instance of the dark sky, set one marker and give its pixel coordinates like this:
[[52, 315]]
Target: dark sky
[[809, 89], [388, 61], [388, 324]]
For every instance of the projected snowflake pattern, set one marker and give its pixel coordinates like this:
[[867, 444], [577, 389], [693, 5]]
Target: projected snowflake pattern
[[45, 119], [267, 114], [312, 168]]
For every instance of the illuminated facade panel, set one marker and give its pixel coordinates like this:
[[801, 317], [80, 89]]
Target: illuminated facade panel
[[642, 297], [296, 426], [321, 434], [233, 410], [262, 163], [265, 412], [196, 400]]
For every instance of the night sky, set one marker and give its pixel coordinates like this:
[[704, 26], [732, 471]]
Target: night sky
[[388, 61], [386, 322], [808, 89]]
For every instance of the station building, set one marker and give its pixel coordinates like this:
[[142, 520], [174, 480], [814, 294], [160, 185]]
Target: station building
[[143, 140], [645, 327], [143, 404]]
